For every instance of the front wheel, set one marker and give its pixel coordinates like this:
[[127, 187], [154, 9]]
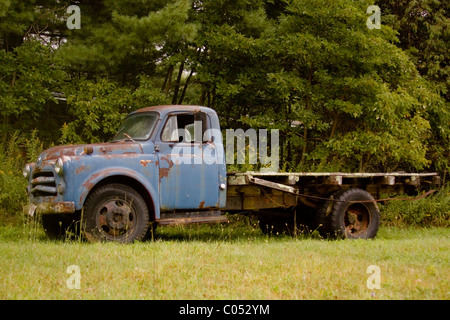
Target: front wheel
[[115, 212], [354, 214]]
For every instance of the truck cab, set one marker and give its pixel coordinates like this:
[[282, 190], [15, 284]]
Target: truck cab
[[165, 164]]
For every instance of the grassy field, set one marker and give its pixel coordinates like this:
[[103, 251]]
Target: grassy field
[[226, 261]]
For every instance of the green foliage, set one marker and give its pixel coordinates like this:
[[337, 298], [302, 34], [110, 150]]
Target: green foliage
[[12, 184], [433, 210], [28, 76], [33, 146], [98, 107], [345, 98], [128, 41], [423, 31], [352, 89]]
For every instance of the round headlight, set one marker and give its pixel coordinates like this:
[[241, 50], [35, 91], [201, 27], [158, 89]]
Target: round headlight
[[59, 166], [26, 171]]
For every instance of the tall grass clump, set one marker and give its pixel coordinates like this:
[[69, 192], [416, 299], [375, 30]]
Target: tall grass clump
[[16, 153], [432, 211]]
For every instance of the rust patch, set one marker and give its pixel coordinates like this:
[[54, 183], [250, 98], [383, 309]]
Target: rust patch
[[104, 150], [145, 162], [108, 148], [56, 152], [166, 159], [201, 204], [162, 108], [90, 183], [80, 169], [57, 207], [164, 172]]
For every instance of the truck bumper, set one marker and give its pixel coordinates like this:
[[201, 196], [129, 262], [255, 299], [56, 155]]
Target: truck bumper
[[49, 208]]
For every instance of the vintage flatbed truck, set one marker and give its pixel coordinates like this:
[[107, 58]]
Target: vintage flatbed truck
[[157, 170]]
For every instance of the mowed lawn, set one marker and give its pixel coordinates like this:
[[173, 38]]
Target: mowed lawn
[[227, 261]]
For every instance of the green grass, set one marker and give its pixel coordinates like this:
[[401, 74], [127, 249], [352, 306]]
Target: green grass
[[226, 261]]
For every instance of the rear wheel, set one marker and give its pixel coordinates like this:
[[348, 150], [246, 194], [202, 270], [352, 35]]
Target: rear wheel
[[347, 217], [115, 212]]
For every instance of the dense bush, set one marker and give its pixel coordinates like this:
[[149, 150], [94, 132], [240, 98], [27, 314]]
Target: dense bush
[[433, 210]]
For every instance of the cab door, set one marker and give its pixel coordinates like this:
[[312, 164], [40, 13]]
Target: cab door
[[188, 170]]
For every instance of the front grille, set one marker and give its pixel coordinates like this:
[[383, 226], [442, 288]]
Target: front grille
[[43, 184]]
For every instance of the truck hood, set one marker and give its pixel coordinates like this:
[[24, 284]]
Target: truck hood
[[109, 148]]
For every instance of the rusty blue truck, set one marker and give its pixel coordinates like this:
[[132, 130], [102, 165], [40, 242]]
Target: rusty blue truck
[[166, 165]]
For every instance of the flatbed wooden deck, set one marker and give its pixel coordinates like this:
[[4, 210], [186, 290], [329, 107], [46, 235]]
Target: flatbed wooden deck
[[266, 190]]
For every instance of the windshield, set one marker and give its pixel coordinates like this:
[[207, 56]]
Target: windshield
[[138, 126]]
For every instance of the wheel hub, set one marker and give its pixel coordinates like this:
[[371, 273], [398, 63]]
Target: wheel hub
[[116, 217], [356, 219]]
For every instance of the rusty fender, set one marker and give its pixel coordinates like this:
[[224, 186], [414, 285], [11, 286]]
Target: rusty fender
[[93, 179]]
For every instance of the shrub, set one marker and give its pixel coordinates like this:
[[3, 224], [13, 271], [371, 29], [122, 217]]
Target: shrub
[[433, 210]]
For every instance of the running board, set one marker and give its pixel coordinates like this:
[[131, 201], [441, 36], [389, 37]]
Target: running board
[[191, 217]]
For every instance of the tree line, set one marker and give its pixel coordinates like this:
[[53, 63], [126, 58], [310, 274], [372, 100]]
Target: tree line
[[344, 97]]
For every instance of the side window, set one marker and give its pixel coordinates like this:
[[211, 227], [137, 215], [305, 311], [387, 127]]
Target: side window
[[186, 127], [170, 132]]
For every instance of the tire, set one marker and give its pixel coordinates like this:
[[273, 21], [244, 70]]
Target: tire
[[352, 220], [115, 212]]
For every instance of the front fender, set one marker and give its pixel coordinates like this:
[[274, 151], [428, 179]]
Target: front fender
[[93, 179]]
